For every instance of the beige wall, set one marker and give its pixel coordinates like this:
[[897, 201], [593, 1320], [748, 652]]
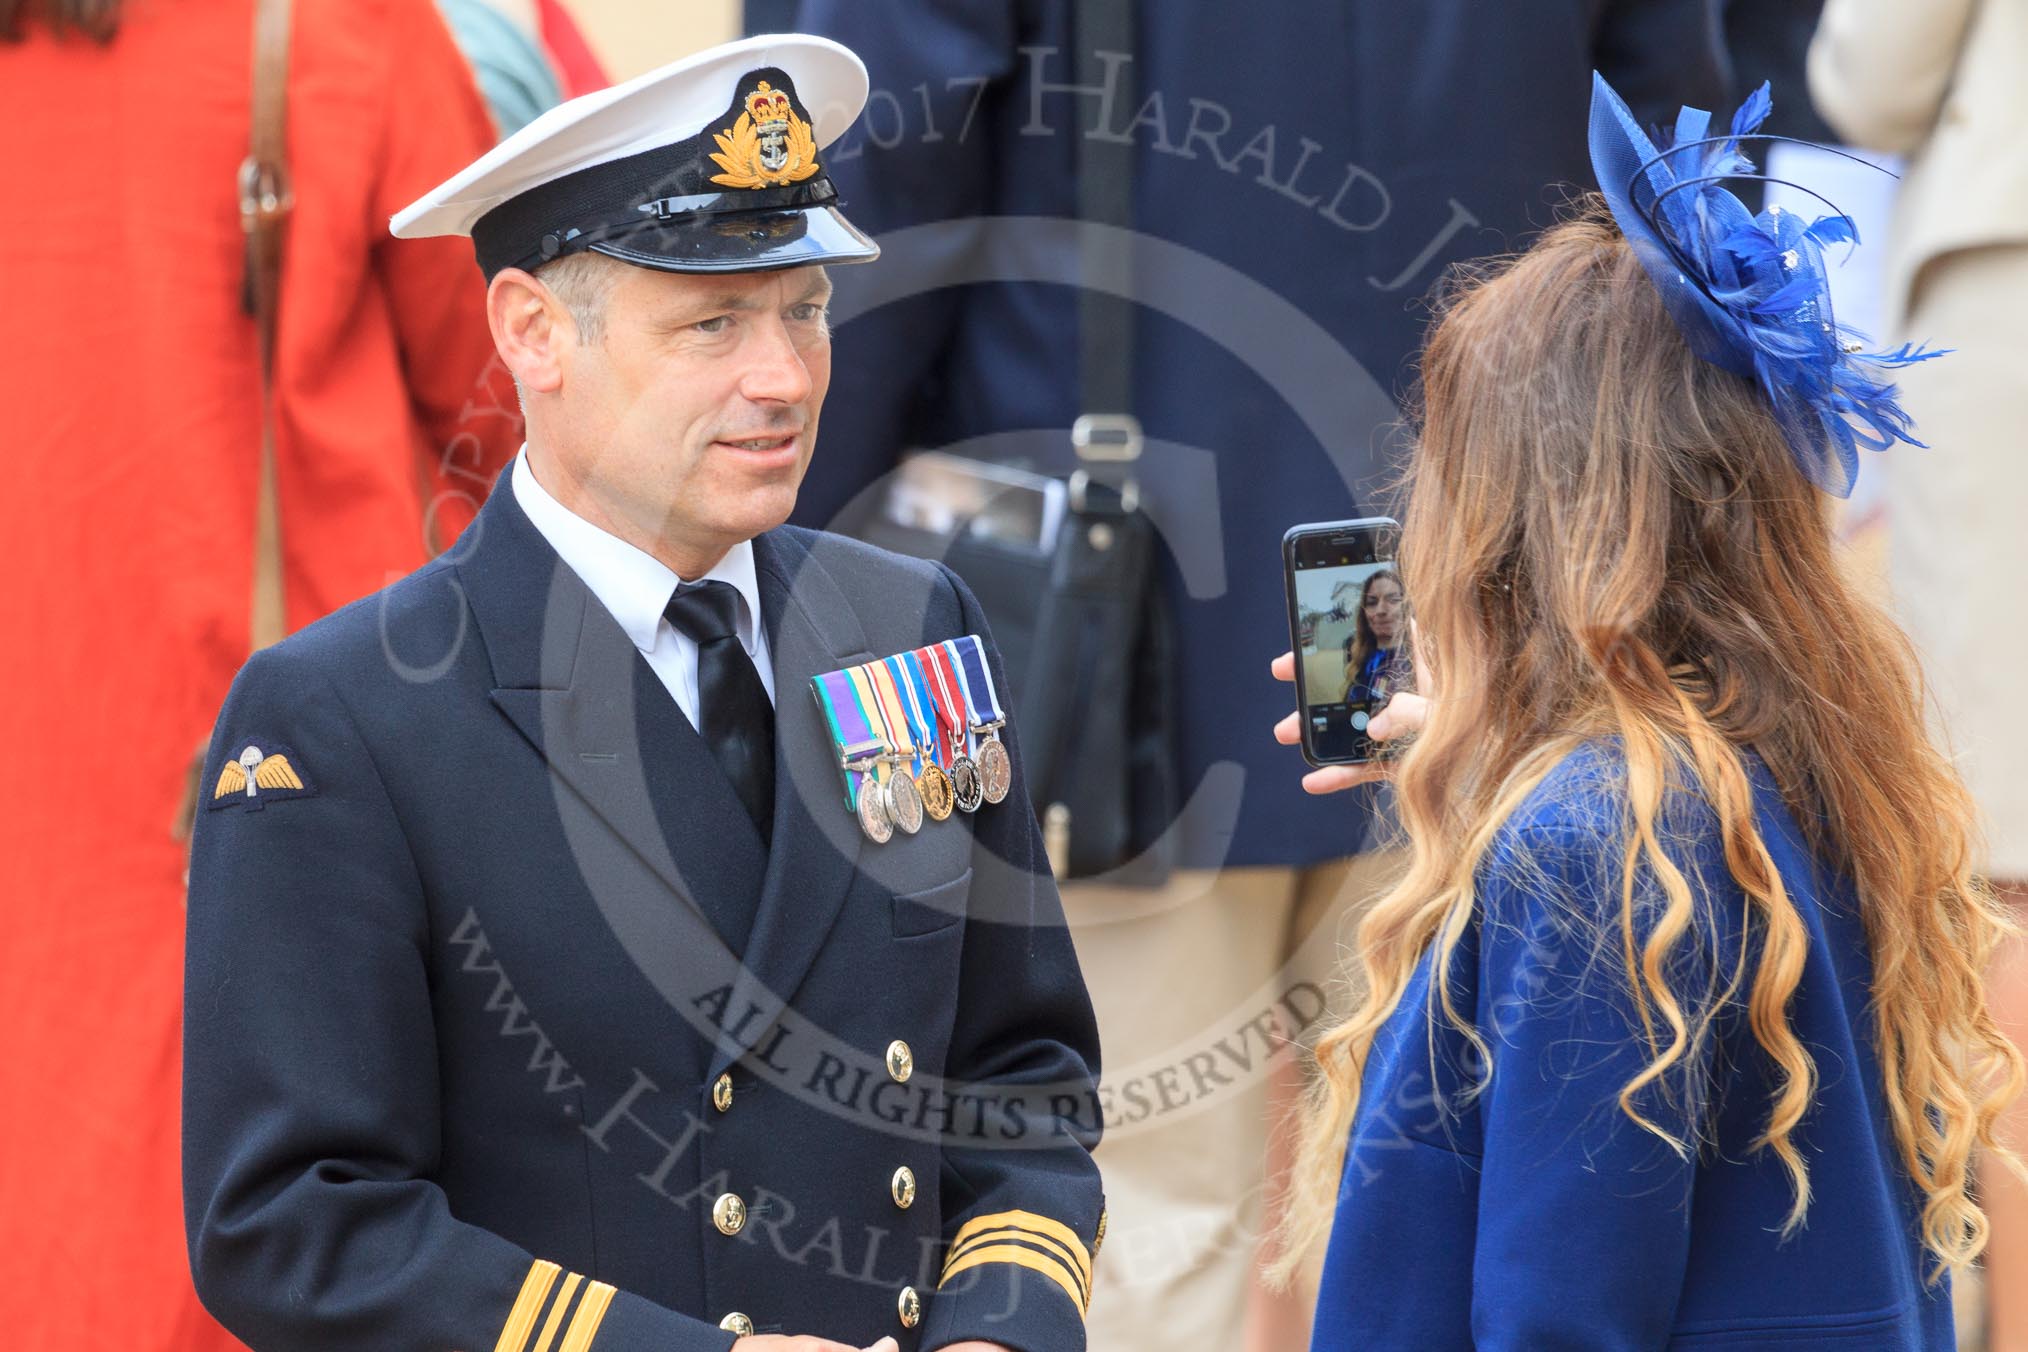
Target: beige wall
[[632, 36]]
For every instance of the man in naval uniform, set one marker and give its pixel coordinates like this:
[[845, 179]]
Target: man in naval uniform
[[543, 991]]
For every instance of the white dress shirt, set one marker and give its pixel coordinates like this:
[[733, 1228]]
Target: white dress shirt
[[635, 588]]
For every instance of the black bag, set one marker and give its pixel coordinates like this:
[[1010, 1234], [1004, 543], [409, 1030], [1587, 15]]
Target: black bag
[[1085, 630], [1090, 654]]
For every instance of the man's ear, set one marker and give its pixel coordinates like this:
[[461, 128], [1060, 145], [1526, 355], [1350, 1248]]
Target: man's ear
[[531, 329]]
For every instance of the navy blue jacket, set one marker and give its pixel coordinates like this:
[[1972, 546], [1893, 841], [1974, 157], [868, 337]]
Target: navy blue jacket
[[1303, 174], [467, 1064], [1537, 1215]]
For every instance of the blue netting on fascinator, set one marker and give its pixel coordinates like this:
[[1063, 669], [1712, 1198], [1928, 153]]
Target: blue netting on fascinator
[[1750, 292]]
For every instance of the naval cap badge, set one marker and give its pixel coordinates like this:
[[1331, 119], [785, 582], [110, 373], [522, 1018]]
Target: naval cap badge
[[768, 146]]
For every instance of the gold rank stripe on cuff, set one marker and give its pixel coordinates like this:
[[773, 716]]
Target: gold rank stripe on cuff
[[1061, 1238], [585, 1323], [549, 1325], [528, 1306], [1026, 1240]]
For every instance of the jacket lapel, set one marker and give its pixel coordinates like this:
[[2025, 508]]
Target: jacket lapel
[[564, 674], [811, 629], [569, 679]]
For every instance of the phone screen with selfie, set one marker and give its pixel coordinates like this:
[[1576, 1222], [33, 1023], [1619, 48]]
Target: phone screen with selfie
[[1348, 625]]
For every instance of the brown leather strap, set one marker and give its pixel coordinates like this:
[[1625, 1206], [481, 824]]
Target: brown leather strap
[[265, 200]]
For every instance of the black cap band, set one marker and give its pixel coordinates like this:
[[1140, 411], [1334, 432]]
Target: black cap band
[[634, 227]]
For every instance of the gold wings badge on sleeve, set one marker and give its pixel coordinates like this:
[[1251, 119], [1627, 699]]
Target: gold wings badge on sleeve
[[276, 773], [254, 771]]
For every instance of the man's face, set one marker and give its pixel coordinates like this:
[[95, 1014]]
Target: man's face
[[696, 413]]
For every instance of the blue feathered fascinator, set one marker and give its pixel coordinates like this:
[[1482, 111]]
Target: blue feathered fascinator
[[1750, 293]]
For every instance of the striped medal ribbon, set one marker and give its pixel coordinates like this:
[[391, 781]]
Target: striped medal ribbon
[[947, 697], [904, 804], [996, 767], [931, 783], [858, 752]]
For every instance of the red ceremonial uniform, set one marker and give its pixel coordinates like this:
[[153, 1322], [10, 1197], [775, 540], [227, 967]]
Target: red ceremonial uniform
[[129, 417]]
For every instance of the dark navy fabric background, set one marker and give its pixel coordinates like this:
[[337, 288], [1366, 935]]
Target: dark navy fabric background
[[1470, 118]]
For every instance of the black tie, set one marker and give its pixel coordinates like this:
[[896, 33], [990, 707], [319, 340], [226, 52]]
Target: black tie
[[734, 715]]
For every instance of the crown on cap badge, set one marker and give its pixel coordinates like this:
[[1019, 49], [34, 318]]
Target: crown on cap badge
[[768, 146], [769, 105]]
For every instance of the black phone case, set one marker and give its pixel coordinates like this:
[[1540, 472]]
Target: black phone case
[[1290, 538]]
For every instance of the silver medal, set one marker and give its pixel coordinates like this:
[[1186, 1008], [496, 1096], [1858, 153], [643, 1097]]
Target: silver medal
[[904, 801], [965, 783], [996, 769], [873, 818]]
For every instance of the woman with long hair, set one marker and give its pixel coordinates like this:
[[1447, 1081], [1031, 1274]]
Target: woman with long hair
[[1673, 1034], [1375, 642]]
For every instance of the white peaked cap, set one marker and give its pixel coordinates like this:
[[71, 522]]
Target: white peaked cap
[[686, 101]]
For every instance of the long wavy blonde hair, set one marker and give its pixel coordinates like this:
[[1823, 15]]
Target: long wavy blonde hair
[[1608, 538]]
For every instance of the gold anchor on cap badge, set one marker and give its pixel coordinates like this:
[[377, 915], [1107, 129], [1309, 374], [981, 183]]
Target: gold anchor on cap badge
[[768, 146]]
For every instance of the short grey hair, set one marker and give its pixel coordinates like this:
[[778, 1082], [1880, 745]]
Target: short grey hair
[[583, 282]]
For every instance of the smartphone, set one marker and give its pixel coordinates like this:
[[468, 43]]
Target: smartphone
[[1348, 626]]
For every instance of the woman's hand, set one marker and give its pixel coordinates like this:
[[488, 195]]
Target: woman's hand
[[1404, 714]]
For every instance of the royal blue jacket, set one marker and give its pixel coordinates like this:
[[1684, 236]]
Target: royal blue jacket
[[1535, 1215]]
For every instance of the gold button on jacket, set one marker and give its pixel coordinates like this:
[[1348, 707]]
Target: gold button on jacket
[[728, 1213], [736, 1323], [902, 1186], [909, 1306], [721, 1093], [616, 872]]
